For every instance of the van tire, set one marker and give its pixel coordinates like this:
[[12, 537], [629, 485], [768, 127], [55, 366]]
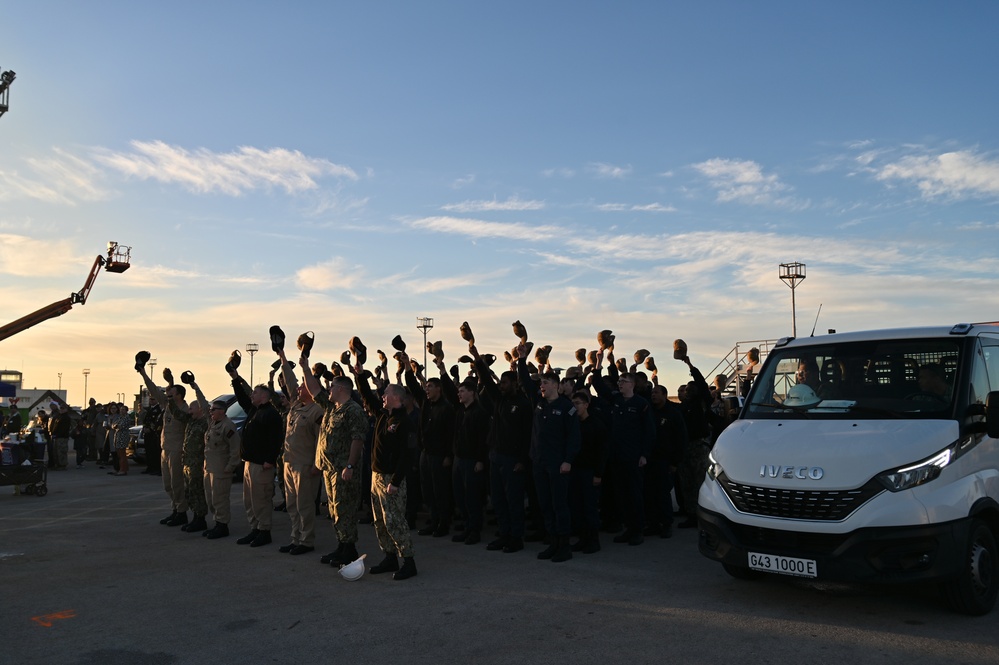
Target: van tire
[[741, 572], [974, 590]]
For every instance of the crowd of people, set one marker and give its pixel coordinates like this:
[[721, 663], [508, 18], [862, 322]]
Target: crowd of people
[[556, 454], [98, 433]]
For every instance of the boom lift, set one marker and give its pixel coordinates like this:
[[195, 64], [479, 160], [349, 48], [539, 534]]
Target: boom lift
[[117, 260]]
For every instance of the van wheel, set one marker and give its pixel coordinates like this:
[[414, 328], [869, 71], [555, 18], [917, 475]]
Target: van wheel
[[974, 591], [741, 572]]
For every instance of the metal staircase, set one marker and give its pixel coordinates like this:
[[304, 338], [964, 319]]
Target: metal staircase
[[734, 360]]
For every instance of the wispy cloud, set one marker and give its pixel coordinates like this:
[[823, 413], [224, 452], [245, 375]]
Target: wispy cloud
[[511, 204], [411, 283], [559, 173], [603, 170], [953, 174], [336, 273], [231, 173], [477, 228], [19, 257], [62, 178], [743, 181], [463, 181], [632, 207]]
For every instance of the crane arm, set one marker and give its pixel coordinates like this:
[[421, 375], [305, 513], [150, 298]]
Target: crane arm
[[36, 317]]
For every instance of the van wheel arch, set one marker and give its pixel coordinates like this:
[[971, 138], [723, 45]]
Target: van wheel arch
[[976, 587]]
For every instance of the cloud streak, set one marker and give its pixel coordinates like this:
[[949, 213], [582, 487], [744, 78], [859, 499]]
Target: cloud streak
[[512, 204], [233, 173], [951, 174], [743, 181]]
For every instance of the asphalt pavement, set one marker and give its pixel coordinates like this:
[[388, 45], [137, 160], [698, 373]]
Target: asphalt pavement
[[89, 576]]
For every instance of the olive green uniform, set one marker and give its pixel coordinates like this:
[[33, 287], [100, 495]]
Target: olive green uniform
[[341, 426]]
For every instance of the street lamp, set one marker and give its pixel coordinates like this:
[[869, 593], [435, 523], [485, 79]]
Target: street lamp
[[86, 377], [251, 349], [5, 80], [792, 274], [60, 380], [425, 324]]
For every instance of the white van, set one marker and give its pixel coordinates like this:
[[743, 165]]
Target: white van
[[865, 457]]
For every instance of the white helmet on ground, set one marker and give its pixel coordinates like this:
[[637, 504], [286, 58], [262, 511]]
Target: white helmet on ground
[[353, 570]]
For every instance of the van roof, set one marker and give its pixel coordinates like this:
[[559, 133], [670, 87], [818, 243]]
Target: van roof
[[958, 330]]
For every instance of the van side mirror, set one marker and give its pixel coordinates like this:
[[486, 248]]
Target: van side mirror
[[992, 414]]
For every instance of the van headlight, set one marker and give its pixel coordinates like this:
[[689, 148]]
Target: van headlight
[[917, 474], [714, 468]]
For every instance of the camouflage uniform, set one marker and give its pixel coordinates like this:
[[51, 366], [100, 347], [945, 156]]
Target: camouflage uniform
[[341, 425], [389, 511], [221, 458], [193, 458]]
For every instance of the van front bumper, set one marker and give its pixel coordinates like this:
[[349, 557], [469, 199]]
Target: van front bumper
[[895, 554]]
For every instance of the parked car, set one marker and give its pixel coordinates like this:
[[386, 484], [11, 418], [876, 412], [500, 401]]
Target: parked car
[[137, 444]]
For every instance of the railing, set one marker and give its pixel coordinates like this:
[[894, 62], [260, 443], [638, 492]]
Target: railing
[[731, 363]]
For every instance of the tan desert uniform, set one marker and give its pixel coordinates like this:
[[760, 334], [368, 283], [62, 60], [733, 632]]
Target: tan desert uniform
[[171, 460], [221, 458], [301, 477]]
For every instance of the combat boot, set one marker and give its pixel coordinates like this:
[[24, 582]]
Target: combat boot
[[498, 544], [220, 530], [592, 544], [263, 538], [347, 555], [333, 557], [178, 519], [197, 524], [408, 569], [389, 564], [549, 551], [562, 550], [169, 518], [515, 544], [248, 538]]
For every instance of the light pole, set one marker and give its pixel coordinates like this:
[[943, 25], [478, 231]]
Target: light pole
[[251, 349], [86, 377], [425, 324], [60, 380], [792, 274]]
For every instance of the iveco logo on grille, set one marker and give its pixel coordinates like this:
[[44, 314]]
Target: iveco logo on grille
[[800, 472]]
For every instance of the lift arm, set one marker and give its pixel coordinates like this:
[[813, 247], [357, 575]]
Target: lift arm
[[117, 261]]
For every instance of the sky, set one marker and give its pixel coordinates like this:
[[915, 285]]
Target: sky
[[345, 168]]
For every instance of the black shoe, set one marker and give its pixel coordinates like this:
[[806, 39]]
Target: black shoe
[[458, 537], [197, 524], [549, 551], [347, 555], [408, 569], [579, 544], [667, 531], [472, 538], [169, 518], [220, 530], [515, 544], [636, 539], [426, 531], [562, 550], [248, 538], [498, 544], [284, 549], [263, 538], [687, 524], [442, 530], [301, 549], [389, 564], [178, 519], [333, 557]]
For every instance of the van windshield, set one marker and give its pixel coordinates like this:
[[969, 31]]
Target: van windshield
[[911, 378]]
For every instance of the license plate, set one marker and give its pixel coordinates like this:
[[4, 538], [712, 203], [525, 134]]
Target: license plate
[[783, 565]]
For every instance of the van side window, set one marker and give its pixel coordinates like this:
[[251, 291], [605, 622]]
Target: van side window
[[979, 378], [990, 351]]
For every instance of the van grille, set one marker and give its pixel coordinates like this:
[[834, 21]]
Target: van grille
[[826, 506]]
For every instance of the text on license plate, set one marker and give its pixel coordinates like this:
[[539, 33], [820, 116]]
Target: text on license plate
[[784, 565]]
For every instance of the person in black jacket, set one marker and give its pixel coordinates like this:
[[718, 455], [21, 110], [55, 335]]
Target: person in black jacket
[[388, 477], [587, 476], [555, 442], [667, 453], [436, 444], [696, 405], [260, 444], [471, 432], [509, 447]]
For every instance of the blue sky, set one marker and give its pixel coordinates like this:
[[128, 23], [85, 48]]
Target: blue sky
[[347, 167]]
